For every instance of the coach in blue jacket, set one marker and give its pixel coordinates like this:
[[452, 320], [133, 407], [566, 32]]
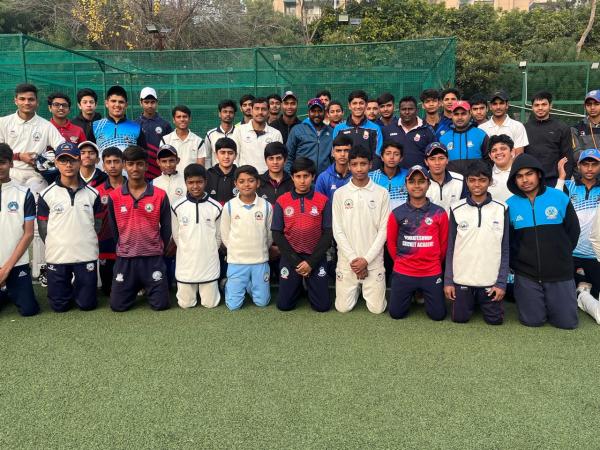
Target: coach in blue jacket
[[544, 231], [312, 138]]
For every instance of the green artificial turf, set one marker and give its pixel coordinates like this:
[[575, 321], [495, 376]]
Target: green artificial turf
[[260, 378]]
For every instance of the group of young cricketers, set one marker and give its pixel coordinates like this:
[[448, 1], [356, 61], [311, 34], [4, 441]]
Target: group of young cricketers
[[129, 206]]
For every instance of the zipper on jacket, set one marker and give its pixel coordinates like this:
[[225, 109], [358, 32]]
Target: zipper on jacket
[[479, 214], [537, 243], [197, 214]]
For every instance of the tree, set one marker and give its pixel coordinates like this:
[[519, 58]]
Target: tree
[[588, 28]]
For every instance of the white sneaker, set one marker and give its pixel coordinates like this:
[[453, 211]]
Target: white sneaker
[[581, 287]]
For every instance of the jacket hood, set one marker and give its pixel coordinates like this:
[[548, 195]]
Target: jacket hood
[[521, 162]]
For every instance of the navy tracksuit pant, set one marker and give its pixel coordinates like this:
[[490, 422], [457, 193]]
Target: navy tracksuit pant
[[19, 290], [466, 299], [403, 289], [290, 287], [143, 272], [552, 302], [63, 289]]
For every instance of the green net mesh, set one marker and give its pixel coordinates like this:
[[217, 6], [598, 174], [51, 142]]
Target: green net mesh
[[201, 78]]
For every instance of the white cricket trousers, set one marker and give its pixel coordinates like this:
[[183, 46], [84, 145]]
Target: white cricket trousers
[[209, 294], [348, 288]]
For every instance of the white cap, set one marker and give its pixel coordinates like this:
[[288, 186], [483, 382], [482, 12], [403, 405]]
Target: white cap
[[148, 92]]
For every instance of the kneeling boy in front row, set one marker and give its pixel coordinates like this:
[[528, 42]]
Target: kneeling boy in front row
[[197, 234], [478, 251], [246, 232], [302, 231]]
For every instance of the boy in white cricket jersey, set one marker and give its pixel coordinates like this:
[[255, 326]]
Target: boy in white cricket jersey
[[17, 216], [196, 231], [69, 218], [360, 213], [246, 233]]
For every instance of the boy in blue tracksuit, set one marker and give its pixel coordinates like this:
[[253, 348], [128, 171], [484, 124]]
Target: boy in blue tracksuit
[[544, 230], [338, 174], [464, 141], [584, 193], [391, 176], [312, 138]]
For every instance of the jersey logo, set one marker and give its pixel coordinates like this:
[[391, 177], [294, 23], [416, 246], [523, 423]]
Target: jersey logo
[[266, 277], [258, 215], [285, 273], [179, 192], [450, 146], [314, 211], [551, 212], [380, 276], [519, 218], [158, 130], [123, 209], [339, 276], [149, 207], [349, 204], [428, 220], [157, 275], [22, 274], [464, 225], [13, 206], [365, 134], [235, 191], [333, 187], [496, 225], [417, 137], [104, 199], [37, 136], [372, 204], [90, 267], [438, 281], [119, 278], [185, 220], [58, 209], [322, 272], [469, 144], [289, 211]]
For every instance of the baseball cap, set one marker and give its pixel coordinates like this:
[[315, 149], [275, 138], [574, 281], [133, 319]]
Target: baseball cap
[[590, 153], [166, 150], [417, 168], [148, 92], [287, 94], [435, 147], [67, 149], [316, 102], [461, 104], [501, 94], [88, 144], [594, 95]]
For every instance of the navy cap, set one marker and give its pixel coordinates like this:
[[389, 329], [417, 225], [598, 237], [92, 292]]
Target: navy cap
[[501, 94], [67, 149], [166, 150], [287, 94], [435, 146], [594, 95], [417, 168], [316, 102]]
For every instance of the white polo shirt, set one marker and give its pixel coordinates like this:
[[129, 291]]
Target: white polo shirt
[[17, 206], [498, 187], [251, 145], [246, 230], [360, 216], [188, 149], [196, 231], [173, 185], [28, 136], [71, 237], [512, 128], [208, 146]]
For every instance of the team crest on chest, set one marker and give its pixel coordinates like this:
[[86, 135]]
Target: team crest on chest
[[314, 211], [417, 137], [258, 215], [428, 220], [58, 209], [104, 199], [372, 204], [179, 192], [36, 136], [349, 204], [551, 212], [12, 206], [464, 225], [288, 211], [365, 134], [158, 130], [149, 207]]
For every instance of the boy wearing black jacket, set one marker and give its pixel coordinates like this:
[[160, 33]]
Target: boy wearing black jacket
[[544, 231], [220, 183]]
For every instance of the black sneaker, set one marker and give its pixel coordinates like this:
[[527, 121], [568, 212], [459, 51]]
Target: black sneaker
[[43, 277]]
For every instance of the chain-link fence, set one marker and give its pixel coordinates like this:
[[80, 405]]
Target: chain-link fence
[[201, 78]]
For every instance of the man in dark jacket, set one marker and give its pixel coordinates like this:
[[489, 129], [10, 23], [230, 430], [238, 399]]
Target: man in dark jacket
[[311, 139], [289, 118], [87, 101], [544, 231], [549, 138]]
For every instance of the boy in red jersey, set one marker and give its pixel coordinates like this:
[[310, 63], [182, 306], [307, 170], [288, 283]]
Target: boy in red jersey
[[302, 230], [417, 237], [140, 217]]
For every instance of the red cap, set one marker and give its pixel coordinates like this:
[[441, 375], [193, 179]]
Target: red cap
[[461, 104]]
